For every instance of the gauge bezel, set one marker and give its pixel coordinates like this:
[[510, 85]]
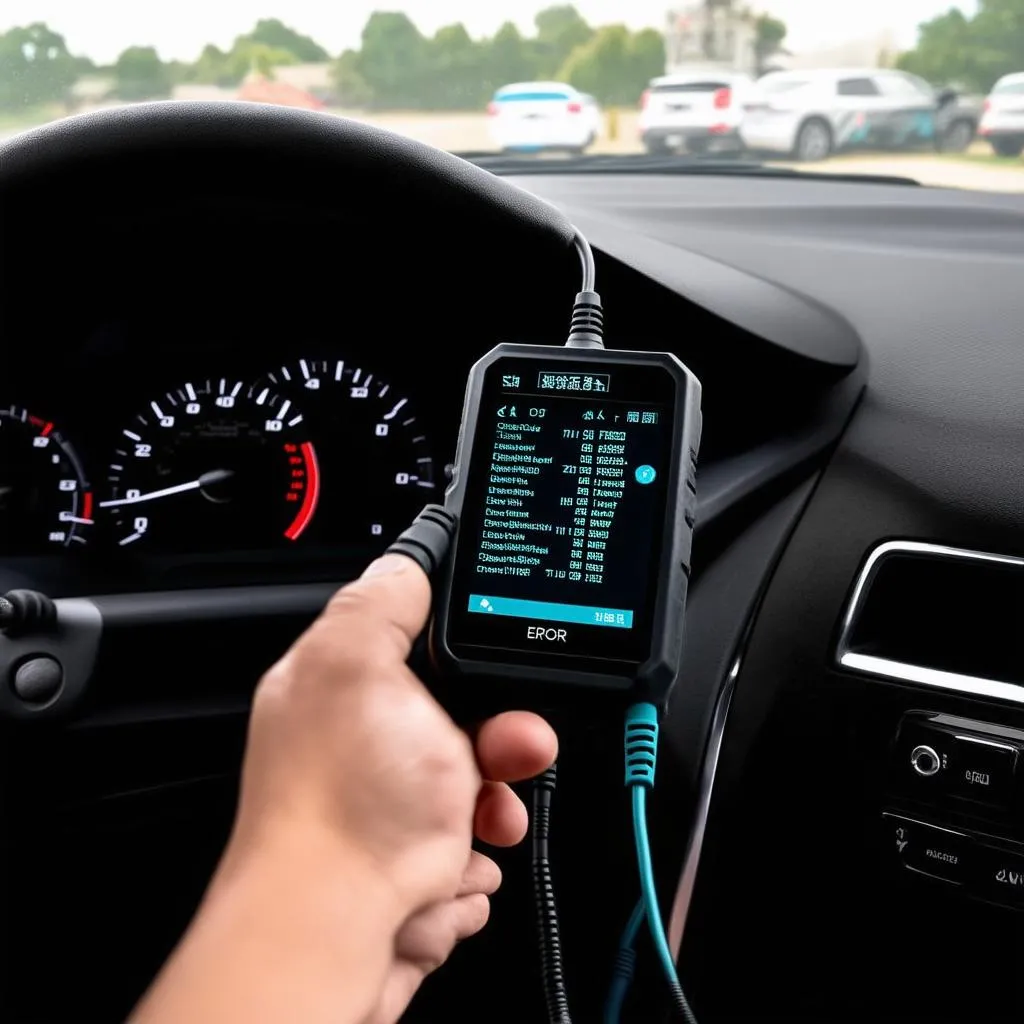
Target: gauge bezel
[[209, 401], [79, 517]]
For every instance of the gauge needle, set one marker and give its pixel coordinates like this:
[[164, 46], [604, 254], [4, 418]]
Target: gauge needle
[[215, 476]]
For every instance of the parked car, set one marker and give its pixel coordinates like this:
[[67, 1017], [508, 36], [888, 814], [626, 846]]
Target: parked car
[[535, 116], [809, 115], [1002, 122], [697, 112]]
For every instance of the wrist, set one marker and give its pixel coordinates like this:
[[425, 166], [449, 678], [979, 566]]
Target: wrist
[[306, 861], [293, 927]]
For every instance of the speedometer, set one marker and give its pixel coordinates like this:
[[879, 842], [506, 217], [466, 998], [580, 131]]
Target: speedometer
[[213, 466], [378, 466]]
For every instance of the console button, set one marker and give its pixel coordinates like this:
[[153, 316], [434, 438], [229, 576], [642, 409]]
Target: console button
[[929, 850], [924, 760], [998, 876], [943, 760], [983, 771]]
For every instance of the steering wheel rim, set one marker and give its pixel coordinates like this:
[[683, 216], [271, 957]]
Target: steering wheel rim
[[168, 135]]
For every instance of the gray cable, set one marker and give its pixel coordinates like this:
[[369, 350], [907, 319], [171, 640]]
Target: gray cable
[[586, 260]]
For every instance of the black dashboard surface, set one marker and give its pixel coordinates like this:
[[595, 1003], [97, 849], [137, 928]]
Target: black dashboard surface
[[794, 474], [927, 277], [799, 910]]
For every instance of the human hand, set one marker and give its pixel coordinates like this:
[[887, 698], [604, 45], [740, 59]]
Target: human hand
[[346, 741], [349, 872], [509, 748]]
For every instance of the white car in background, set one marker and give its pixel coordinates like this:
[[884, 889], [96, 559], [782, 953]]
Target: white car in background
[[809, 115], [697, 112], [530, 117], [1002, 122]]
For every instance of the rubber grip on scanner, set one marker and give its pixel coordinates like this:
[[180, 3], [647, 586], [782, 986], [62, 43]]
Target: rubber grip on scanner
[[428, 540]]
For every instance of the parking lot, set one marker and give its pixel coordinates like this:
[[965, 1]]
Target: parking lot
[[976, 169], [973, 170]]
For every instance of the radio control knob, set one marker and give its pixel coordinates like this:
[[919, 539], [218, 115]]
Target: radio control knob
[[925, 760]]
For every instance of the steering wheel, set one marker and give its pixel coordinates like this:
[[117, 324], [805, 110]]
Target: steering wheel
[[163, 154]]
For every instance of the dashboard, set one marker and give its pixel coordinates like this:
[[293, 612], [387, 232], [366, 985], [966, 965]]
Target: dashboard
[[209, 467], [235, 387]]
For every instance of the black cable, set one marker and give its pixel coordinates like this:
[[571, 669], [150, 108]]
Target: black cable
[[682, 1006], [555, 995]]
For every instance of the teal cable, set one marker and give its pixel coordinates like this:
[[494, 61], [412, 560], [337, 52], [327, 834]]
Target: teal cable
[[625, 964], [648, 891], [641, 761]]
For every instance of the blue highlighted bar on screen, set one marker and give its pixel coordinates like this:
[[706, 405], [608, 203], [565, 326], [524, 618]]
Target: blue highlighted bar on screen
[[549, 611]]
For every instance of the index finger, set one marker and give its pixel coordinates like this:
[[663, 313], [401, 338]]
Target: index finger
[[391, 597]]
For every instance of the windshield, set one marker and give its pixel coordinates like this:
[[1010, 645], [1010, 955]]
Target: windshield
[[877, 89]]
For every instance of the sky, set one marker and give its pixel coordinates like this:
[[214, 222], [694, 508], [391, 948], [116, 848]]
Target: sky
[[101, 29]]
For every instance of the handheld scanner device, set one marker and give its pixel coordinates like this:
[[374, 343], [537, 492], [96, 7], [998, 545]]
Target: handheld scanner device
[[574, 496]]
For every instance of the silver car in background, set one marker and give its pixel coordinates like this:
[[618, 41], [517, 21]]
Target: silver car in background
[[809, 115]]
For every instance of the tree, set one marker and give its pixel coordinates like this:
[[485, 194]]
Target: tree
[[35, 66], [560, 30], [507, 58], [947, 50], [248, 56], [769, 34], [211, 67], [454, 77], [139, 74], [350, 88], [998, 34], [393, 59], [276, 35], [973, 50], [616, 65]]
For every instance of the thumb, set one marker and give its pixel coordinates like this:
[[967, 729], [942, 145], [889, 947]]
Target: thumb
[[391, 598]]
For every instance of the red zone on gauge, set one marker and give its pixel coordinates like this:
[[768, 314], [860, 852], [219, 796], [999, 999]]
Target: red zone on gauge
[[79, 516], [304, 487], [214, 466]]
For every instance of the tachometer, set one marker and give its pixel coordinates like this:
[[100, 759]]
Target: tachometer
[[381, 470], [44, 497], [214, 466]]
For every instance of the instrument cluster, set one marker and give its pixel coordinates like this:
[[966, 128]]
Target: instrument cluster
[[313, 453]]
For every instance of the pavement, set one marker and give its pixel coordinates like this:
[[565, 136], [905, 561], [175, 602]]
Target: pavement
[[468, 132]]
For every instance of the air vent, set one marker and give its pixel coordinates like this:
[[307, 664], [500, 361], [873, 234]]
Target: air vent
[[938, 617]]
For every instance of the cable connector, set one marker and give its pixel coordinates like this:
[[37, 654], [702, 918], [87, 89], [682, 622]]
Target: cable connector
[[586, 329], [641, 745], [428, 539], [26, 611]]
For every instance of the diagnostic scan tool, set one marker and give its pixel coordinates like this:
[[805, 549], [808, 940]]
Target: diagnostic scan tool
[[573, 495]]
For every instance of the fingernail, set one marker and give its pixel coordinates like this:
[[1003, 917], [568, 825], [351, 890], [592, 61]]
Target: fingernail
[[387, 564]]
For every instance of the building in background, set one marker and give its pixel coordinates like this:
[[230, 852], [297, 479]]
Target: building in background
[[314, 79], [716, 34], [722, 35], [258, 88]]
